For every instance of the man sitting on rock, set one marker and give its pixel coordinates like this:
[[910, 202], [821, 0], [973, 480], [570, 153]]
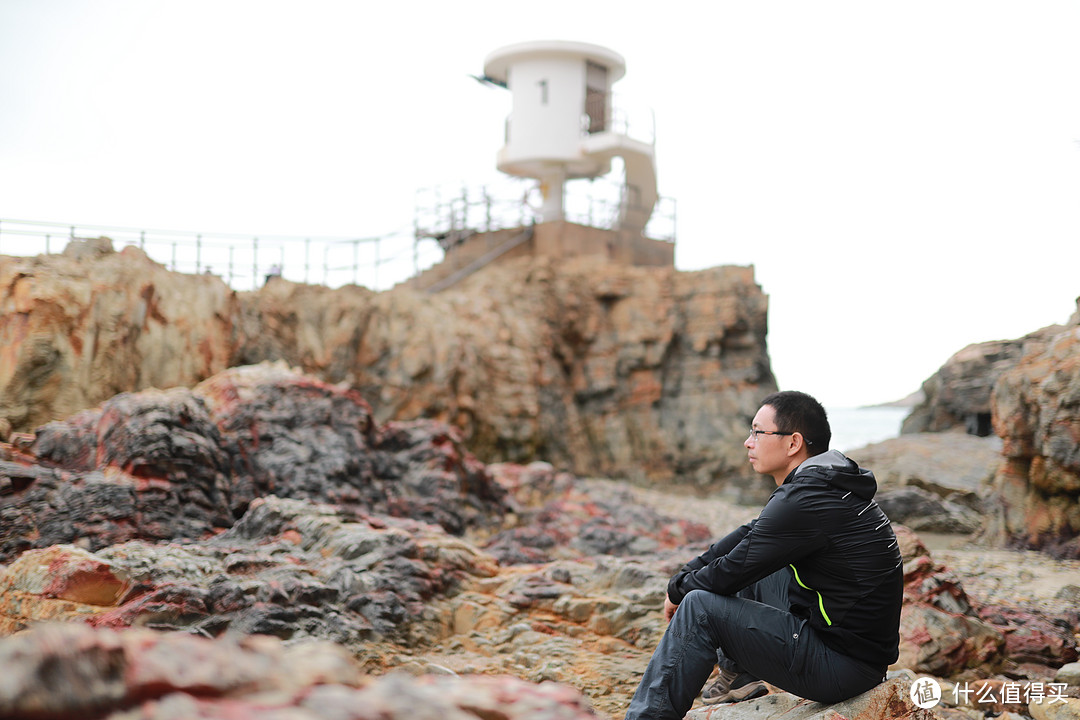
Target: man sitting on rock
[[806, 597]]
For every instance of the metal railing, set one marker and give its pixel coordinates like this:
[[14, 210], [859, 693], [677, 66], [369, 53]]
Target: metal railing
[[447, 214], [242, 261], [450, 213], [632, 119]]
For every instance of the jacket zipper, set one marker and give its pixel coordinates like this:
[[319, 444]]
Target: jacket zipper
[[820, 600]]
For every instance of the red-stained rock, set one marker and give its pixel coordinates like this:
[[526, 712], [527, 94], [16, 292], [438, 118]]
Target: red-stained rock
[[928, 583], [186, 464], [1036, 409], [351, 581], [943, 632], [1032, 637], [940, 631], [557, 516], [68, 573], [364, 551], [943, 644], [71, 672]]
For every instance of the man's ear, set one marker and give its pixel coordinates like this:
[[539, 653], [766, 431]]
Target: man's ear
[[796, 443]]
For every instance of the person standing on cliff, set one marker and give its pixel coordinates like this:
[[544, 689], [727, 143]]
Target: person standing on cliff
[[806, 597]]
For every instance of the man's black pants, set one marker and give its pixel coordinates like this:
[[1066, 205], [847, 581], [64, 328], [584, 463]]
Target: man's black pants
[[751, 632]]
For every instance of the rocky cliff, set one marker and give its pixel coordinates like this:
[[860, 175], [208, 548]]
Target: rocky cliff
[[78, 328], [1027, 392], [1036, 410], [614, 371], [958, 394]]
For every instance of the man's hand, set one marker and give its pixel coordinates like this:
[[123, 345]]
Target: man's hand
[[669, 608]]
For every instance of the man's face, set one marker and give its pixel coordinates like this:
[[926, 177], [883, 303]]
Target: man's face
[[768, 453]]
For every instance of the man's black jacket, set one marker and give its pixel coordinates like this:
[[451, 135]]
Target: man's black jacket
[[822, 527]]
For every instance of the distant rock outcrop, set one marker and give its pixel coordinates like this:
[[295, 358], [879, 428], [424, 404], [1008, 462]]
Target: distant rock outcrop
[[600, 369], [1036, 408], [1026, 391], [958, 394]]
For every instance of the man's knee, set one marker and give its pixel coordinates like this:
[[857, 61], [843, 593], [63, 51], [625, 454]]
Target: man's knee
[[702, 604], [695, 601]]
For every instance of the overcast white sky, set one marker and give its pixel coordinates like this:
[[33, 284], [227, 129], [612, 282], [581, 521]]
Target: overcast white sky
[[905, 177]]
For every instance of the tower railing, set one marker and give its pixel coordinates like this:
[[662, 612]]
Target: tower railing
[[450, 213], [632, 120]]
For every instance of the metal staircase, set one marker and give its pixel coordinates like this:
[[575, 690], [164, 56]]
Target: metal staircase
[[490, 256]]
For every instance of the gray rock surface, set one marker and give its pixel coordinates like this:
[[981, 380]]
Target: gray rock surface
[[888, 701]]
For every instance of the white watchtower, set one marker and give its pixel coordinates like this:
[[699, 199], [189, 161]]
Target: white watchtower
[[561, 125]]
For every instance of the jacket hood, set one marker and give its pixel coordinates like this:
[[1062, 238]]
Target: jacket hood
[[838, 470]]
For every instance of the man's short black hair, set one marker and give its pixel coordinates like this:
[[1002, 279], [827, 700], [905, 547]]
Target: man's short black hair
[[798, 412]]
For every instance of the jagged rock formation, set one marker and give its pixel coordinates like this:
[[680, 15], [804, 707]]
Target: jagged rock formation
[[185, 464], [604, 370], [958, 394], [268, 503], [78, 328], [261, 502], [1036, 407], [1028, 392]]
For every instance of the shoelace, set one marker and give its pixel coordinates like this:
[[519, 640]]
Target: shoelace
[[727, 677]]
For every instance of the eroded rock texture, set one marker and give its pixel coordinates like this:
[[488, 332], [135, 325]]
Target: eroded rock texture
[[208, 526], [69, 671], [603, 370], [78, 328], [185, 464], [1037, 413], [1027, 392]]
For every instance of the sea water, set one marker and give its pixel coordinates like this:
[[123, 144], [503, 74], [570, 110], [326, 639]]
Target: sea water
[[853, 428]]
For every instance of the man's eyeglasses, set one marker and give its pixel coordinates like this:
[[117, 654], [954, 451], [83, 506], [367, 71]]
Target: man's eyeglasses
[[754, 433]]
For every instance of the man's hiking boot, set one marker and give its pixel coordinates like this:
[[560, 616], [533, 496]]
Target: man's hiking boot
[[732, 687]]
